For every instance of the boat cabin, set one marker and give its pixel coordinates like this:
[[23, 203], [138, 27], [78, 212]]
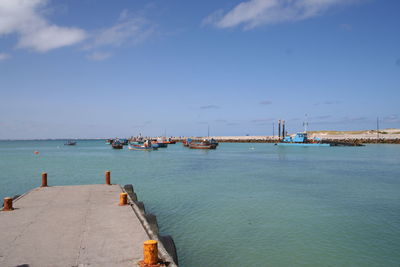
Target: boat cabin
[[298, 138]]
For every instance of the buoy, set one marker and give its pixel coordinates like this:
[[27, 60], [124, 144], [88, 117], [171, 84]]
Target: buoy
[[36, 152]]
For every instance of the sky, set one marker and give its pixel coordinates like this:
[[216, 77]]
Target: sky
[[98, 69]]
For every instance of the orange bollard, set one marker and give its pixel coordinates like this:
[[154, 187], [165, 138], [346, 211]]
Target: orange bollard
[[44, 179], [108, 178], [123, 199], [150, 252], [8, 204]]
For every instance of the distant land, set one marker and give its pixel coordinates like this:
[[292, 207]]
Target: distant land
[[390, 135]]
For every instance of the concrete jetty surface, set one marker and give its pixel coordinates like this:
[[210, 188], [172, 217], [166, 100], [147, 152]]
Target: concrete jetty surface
[[71, 226]]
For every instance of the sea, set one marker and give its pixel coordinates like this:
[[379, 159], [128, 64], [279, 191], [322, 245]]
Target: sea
[[242, 204]]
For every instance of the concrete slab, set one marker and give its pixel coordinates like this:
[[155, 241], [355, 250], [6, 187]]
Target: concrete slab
[[71, 226]]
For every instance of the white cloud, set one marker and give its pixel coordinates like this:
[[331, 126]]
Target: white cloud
[[99, 56], [254, 13], [23, 17], [129, 29], [4, 56]]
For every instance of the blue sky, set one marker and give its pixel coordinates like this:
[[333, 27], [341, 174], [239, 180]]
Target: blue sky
[[85, 68]]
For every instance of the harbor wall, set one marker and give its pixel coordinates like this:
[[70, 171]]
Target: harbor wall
[[166, 248], [269, 139]]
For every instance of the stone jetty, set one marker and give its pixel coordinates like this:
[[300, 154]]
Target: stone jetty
[[84, 225]]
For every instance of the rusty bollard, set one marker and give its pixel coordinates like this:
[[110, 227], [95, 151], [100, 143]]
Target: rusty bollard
[[44, 179], [150, 254], [108, 177], [8, 204], [123, 199]]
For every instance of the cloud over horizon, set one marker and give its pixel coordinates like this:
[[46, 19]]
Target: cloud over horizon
[[254, 13], [99, 56], [210, 107], [265, 102], [25, 19], [4, 56]]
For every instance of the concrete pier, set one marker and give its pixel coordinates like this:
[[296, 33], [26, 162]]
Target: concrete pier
[[72, 226]]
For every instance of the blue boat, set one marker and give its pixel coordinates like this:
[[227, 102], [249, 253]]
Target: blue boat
[[301, 139]]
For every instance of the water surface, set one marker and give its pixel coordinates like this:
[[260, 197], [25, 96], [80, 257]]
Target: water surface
[[242, 204]]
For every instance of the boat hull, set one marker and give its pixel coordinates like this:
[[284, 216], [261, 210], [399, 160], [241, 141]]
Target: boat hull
[[142, 148], [302, 144], [200, 146], [162, 144]]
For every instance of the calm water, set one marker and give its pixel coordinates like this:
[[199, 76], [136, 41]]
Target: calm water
[[242, 204]]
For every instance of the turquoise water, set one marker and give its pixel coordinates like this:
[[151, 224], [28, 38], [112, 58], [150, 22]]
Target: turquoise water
[[242, 204]]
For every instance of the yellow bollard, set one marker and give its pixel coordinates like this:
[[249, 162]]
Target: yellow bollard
[[8, 204], [108, 178], [44, 179], [123, 199], [150, 252]]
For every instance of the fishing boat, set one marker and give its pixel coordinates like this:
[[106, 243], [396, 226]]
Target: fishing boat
[[169, 141], [301, 139], [213, 142], [70, 143], [205, 144], [146, 146], [116, 144], [161, 142], [187, 142], [109, 141], [124, 141]]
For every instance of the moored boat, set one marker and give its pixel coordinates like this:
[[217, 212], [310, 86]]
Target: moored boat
[[161, 142], [116, 144], [205, 144], [301, 139], [70, 143], [109, 141], [169, 141], [146, 146], [124, 141], [187, 142]]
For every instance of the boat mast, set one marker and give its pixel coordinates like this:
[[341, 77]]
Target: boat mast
[[279, 129], [273, 130], [208, 130], [377, 128], [305, 124]]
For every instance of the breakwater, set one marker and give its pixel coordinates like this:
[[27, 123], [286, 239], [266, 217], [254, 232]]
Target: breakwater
[[268, 139]]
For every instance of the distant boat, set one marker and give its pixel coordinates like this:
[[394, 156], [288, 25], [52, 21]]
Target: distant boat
[[301, 139], [146, 146], [109, 141], [205, 144], [187, 142], [162, 142], [169, 141], [70, 143], [124, 141], [116, 144]]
